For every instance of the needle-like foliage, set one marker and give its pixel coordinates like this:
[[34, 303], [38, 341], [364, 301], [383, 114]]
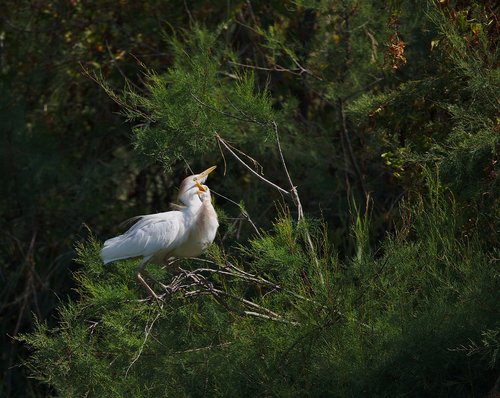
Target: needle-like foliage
[[194, 100], [358, 248], [402, 319]]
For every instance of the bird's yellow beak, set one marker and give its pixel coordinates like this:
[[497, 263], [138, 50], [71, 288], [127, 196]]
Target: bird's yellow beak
[[200, 187], [207, 171], [203, 176]]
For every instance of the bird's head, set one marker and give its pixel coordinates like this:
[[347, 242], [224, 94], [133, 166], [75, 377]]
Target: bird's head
[[193, 185]]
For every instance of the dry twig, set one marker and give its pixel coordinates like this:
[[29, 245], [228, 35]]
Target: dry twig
[[147, 331], [228, 148]]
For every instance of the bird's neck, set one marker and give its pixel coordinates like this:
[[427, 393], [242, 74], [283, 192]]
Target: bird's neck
[[193, 205]]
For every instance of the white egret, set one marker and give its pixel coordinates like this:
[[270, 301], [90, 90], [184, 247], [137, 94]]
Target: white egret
[[180, 233]]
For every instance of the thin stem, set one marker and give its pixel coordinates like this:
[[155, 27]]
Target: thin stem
[[296, 200], [228, 148], [238, 273], [278, 68], [259, 315], [208, 348], [293, 189], [243, 212], [147, 331]]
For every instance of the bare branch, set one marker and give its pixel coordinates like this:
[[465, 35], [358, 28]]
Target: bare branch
[[208, 348], [228, 148], [259, 315], [203, 286], [244, 213], [296, 200], [231, 270], [147, 331], [293, 189], [299, 71]]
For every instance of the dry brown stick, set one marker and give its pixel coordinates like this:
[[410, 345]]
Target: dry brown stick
[[293, 189], [201, 280], [228, 269], [299, 71], [203, 291], [275, 68], [208, 288], [238, 273], [222, 345], [228, 148], [147, 331], [243, 211], [296, 200], [259, 315]]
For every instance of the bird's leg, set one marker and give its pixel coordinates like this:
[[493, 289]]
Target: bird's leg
[[141, 280]]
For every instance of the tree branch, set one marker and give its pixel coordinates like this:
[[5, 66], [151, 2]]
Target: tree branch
[[208, 348], [243, 212], [293, 189], [228, 148], [147, 331], [259, 315], [246, 276]]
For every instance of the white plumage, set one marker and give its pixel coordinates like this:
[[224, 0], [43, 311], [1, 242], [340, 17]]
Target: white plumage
[[180, 233]]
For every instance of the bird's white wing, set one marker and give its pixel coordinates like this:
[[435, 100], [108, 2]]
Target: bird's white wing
[[151, 234]]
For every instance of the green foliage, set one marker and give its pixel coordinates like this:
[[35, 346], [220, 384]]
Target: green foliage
[[64, 152], [190, 103], [387, 118], [405, 322]]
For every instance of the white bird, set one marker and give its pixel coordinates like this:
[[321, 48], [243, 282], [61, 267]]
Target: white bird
[[180, 233]]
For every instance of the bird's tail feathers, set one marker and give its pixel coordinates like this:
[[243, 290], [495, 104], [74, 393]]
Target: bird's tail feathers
[[115, 249]]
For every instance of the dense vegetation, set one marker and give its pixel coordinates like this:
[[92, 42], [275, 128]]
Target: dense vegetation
[[377, 276]]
